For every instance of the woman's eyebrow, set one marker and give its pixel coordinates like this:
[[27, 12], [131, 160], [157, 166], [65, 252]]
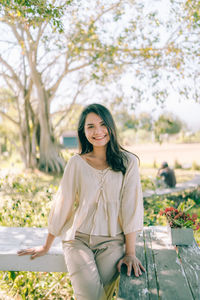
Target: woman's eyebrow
[[89, 124]]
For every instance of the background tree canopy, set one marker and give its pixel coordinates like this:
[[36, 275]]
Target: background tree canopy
[[73, 50]]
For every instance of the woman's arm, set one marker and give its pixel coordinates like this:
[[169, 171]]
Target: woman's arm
[[130, 241], [38, 251], [130, 259]]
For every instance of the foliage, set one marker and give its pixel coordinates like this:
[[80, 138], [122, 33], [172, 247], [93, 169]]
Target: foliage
[[145, 121], [166, 124], [177, 165], [130, 137], [147, 183], [35, 12], [195, 166], [179, 218], [27, 199], [186, 195], [36, 285], [153, 205]]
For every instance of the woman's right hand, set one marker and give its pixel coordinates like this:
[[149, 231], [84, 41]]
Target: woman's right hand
[[34, 252]]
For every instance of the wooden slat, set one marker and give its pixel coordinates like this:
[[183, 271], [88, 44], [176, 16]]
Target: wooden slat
[[132, 287], [150, 267], [190, 260], [172, 283]]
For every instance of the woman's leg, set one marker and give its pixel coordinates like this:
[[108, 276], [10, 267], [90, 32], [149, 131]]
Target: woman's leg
[[107, 260], [83, 271]]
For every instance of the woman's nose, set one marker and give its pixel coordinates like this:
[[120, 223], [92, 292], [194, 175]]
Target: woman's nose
[[98, 130]]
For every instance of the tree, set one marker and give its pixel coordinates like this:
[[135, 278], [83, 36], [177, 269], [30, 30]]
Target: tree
[[145, 121], [166, 124], [33, 80], [126, 120]]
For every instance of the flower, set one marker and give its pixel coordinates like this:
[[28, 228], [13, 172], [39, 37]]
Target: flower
[[178, 218]]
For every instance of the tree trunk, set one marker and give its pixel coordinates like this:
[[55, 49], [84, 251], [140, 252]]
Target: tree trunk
[[50, 160]]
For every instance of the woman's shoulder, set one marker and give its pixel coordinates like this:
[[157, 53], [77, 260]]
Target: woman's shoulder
[[131, 157], [73, 160]]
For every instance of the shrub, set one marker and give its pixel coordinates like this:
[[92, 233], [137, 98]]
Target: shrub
[[177, 165], [195, 166]]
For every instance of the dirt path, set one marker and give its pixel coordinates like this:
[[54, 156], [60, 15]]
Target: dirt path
[[185, 154]]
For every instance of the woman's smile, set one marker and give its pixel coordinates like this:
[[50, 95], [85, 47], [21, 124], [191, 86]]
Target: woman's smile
[[99, 137]]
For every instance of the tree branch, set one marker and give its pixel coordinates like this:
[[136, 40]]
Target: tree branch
[[6, 78], [79, 67], [40, 33], [79, 91], [9, 118], [54, 88], [106, 10], [14, 75], [171, 36], [51, 63]]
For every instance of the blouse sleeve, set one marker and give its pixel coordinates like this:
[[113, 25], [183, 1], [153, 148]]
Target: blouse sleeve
[[63, 203], [132, 211]]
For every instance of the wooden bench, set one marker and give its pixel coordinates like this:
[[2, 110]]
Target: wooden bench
[[171, 272]]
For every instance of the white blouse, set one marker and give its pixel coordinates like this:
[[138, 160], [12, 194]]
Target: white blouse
[[97, 202]]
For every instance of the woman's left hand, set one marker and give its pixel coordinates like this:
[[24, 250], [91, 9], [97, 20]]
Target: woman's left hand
[[132, 262]]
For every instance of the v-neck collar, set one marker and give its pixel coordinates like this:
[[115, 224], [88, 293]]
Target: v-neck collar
[[99, 170]]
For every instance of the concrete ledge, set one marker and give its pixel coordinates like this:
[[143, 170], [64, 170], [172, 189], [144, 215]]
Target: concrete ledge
[[16, 238]]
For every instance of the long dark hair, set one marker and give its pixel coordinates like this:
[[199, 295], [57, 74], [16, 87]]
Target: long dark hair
[[115, 156]]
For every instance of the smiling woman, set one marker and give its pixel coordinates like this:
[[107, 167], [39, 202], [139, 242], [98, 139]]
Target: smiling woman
[[97, 210]]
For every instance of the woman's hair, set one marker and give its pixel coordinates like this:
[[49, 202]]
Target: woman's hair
[[115, 156]]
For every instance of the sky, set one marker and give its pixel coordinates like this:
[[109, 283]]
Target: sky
[[186, 110]]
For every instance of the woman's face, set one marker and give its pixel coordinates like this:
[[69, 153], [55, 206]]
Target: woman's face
[[95, 130]]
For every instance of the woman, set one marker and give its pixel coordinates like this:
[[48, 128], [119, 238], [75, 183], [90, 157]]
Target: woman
[[97, 210]]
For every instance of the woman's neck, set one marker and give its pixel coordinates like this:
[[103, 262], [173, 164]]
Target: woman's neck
[[99, 152]]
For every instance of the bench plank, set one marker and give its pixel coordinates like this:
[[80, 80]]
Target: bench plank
[[131, 288], [190, 260], [172, 283], [150, 267]]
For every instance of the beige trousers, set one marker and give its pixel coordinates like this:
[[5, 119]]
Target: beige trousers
[[92, 265]]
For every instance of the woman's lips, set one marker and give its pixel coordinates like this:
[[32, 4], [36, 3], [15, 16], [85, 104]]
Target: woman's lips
[[99, 138]]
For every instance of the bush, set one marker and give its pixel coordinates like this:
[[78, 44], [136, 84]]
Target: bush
[[177, 165], [195, 166]]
